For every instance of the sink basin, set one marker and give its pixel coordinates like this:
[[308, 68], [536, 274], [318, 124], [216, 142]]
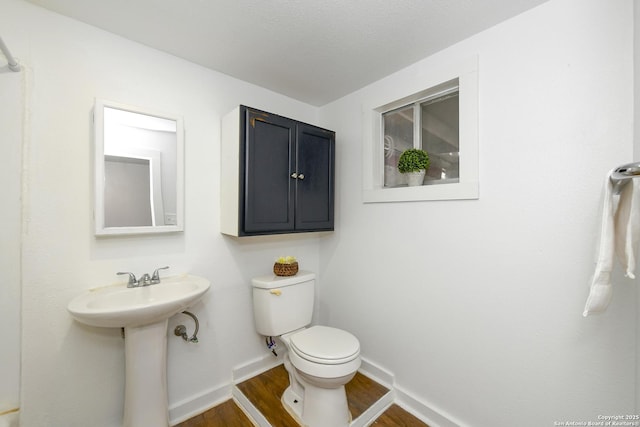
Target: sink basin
[[144, 314], [119, 306]]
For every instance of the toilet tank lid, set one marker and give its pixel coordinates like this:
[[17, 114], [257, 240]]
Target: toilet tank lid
[[273, 281]]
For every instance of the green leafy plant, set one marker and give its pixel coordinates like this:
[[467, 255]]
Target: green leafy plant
[[413, 160]]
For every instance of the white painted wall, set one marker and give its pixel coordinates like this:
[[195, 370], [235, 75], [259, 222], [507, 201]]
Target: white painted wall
[[11, 113], [73, 376], [476, 306]]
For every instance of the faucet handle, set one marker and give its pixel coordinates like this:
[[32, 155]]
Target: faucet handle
[[156, 275], [132, 279]]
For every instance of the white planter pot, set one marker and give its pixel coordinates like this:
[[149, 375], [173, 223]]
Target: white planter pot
[[415, 178]]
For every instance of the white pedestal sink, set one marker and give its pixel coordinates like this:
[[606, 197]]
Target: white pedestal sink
[[143, 312]]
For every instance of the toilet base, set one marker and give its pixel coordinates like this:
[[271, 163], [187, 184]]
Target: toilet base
[[292, 403], [322, 407]]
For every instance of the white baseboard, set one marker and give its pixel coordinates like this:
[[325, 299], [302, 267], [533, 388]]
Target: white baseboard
[[422, 411], [399, 396], [374, 411], [249, 370], [199, 403], [377, 373], [382, 377], [255, 367], [247, 407]]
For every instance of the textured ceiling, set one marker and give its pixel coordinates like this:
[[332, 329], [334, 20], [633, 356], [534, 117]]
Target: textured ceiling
[[313, 51]]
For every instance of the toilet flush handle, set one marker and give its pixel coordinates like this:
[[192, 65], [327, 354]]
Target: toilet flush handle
[[276, 292]]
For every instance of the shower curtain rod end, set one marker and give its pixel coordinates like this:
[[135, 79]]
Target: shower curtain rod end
[[14, 67], [11, 61]]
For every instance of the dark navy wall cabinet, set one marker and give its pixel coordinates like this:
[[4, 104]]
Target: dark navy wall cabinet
[[277, 175]]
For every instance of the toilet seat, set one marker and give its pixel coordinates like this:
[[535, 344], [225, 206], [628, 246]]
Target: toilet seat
[[325, 345]]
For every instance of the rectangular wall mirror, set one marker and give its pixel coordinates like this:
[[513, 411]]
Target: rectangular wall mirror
[[139, 170]]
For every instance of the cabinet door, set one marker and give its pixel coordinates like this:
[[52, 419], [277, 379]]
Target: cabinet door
[[315, 183], [269, 153]]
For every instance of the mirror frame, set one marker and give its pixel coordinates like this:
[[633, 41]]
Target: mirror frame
[[99, 171]]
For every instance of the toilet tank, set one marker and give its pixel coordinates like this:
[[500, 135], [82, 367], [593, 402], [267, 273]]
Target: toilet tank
[[283, 304]]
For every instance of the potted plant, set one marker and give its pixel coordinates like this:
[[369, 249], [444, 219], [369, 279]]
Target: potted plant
[[414, 162]]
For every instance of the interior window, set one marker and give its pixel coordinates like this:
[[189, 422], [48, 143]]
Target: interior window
[[436, 111], [431, 124]]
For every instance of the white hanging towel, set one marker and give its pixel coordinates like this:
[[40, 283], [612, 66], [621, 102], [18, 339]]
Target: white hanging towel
[[627, 226], [619, 235]]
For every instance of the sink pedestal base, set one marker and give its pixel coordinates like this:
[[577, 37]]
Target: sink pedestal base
[[145, 397]]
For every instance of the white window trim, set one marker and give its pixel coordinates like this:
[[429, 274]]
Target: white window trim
[[425, 84]]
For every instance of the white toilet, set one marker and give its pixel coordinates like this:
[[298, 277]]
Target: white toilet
[[320, 360]]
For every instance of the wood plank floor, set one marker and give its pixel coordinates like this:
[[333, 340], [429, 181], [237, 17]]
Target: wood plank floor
[[226, 414], [264, 392]]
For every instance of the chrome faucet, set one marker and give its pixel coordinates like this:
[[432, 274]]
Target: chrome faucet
[[145, 279], [155, 279]]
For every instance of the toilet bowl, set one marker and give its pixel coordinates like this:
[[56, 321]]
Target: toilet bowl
[[320, 360]]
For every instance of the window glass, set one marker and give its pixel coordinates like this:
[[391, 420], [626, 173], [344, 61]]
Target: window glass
[[432, 125], [440, 138], [398, 136]]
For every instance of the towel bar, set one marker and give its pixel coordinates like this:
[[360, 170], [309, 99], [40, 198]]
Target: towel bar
[[622, 174]]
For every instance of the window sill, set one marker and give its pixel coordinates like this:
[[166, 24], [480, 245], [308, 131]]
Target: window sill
[[457, 191]]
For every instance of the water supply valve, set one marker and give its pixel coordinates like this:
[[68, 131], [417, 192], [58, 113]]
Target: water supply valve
[[271, 345], [181, 330]]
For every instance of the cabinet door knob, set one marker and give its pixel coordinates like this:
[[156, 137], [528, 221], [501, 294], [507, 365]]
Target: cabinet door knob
[[301, 176], [294, 175]]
